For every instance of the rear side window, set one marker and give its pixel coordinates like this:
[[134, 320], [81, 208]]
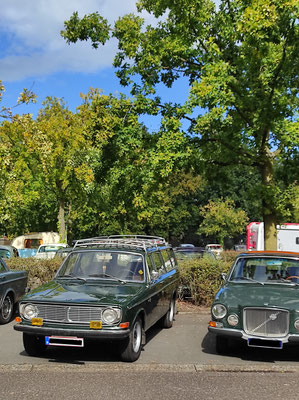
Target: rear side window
[[158, 262], [167, 260]]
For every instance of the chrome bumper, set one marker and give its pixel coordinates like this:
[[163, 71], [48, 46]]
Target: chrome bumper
[[234, 333], [89, 334]]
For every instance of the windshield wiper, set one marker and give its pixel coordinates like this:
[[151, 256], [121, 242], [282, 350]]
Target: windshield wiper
[[245, 278], [107, 276], [71, 277], [283, 280]]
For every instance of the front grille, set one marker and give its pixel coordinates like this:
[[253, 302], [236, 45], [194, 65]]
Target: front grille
[[69, 314], [267, 322]]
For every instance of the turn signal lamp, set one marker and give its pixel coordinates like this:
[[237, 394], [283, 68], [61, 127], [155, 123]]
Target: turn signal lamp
[[213, 324], [124, 325], [18, 319]]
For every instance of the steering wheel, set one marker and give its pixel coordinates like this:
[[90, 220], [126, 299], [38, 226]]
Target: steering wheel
[[293, 276]]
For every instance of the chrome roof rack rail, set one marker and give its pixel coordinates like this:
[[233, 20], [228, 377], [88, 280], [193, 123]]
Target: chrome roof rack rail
[[134, 241]]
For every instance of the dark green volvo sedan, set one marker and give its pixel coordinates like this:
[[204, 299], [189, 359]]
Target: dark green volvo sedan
[[259, 301], [108, 288]]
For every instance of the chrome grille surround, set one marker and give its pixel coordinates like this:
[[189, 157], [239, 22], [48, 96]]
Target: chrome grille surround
[[266, 322], [71, 314]]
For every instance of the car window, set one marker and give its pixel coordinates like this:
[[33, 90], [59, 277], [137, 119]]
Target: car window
[[104, 265], [2, 267], [4, 253], [167, 260], [158, 262], [264, 269]]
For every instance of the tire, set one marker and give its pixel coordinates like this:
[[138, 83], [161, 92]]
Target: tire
[[131, 347], [6, 310], [167, 320], [34, 345]]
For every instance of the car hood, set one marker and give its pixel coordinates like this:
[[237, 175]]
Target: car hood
[[95, 292], [256, 295]]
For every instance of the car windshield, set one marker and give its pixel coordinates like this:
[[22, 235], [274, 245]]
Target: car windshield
[[49, 249], [188, 254], [103, 265], [266, 270]]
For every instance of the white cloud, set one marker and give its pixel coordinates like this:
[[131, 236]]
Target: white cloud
[[33, 46]]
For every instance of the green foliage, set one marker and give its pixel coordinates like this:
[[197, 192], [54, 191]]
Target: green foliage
[[203, 277], [221, 219], [39, 271], [242, 63]]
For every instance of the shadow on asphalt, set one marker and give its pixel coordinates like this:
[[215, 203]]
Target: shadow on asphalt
[[102, 351], [240, 350]]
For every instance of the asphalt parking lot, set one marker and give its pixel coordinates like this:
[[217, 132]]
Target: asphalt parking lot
[[187, 345]]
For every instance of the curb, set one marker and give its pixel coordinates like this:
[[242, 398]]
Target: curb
[[108, 367]]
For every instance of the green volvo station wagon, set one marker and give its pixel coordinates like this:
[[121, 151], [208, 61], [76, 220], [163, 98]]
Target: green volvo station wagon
[[108, 288], [258, 302]]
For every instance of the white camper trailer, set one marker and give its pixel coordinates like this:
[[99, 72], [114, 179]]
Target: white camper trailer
[[29, 243], [287, 236]]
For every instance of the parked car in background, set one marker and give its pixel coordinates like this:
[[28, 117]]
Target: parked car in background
[[12, 287], [48, 251], [112, 288], [240, 247], [258, 302], [184, 252], [7, 251], [217, 249], [63, 252]]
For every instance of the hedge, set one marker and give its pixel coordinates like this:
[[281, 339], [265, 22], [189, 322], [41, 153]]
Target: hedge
[[39, 271], [201, 276]]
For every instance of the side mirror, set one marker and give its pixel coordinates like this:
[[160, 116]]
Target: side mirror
[[154, 275], [223, 276]]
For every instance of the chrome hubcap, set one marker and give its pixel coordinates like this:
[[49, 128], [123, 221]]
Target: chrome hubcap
[[6, 308], [137, 337]]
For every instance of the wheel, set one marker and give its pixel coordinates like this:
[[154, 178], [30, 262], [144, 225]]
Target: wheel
[[223, 344], [131, 347], [34, 345], [6, 310], [167, 320]]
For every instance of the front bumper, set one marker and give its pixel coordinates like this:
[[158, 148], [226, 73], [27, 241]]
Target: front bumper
[[234, 333], [111, 334]]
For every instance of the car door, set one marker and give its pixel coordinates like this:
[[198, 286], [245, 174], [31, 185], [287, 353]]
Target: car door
[[4, 280], [158, 284]]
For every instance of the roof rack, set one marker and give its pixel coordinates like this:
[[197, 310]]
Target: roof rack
[[135, 241]]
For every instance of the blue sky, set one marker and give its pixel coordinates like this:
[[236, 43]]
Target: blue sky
[[34, 56]]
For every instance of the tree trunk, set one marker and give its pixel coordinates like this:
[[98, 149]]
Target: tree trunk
[[268, 204], [61, 221]]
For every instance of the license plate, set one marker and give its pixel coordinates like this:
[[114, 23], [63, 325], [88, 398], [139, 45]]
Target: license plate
[[65, 341]]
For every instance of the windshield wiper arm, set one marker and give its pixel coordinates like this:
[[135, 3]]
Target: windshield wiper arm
[[71, 277], [245, 278], [107, 276]]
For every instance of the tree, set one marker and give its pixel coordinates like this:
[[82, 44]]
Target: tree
[[221, 219], [242, 63]]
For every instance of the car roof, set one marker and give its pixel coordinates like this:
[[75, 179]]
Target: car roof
[[269, 253], [190, 249], [6, 247]]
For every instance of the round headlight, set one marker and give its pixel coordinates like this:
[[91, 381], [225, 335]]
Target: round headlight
[[219, 311], [110, 316], [29, 311], [233, 320], [296, 324]]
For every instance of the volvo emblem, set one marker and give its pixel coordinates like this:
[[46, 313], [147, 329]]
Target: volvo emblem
[[273, 317]]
